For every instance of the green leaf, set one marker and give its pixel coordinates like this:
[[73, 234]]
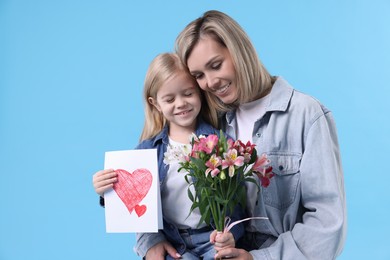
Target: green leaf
[[190, 195], [221, 201]]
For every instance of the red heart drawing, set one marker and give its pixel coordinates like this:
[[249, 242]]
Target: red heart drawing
[[140, 210], [132, 188]]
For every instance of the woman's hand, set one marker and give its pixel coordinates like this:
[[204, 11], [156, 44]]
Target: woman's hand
[[233, 254], [160, 250], [222, 240], [104, 180]]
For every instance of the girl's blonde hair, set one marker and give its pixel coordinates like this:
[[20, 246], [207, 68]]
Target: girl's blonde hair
[[163, 67], [253, 79]]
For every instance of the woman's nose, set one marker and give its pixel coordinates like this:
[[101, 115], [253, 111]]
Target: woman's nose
[[211, 81]]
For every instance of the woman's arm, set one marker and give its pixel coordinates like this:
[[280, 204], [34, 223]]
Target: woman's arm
[[323, 226]]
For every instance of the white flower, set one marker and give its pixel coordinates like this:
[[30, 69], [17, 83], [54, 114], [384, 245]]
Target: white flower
[[177, 153]]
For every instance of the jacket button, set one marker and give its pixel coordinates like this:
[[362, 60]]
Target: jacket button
[[281, 167], [258, 134]]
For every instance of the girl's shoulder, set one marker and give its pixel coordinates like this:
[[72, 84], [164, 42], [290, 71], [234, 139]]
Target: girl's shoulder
[[152, 142]]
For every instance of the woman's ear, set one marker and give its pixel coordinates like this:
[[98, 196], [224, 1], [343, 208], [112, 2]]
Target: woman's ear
[[154, 103]]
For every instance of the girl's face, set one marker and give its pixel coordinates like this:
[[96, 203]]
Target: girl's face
[[212, 66], [178, 99]]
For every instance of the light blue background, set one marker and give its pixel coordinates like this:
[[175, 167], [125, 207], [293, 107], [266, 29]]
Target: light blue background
[[71, 75]]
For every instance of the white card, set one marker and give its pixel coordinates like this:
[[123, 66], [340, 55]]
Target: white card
[[134, 205]]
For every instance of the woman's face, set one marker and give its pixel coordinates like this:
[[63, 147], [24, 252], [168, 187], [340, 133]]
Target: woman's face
[[212, 66]]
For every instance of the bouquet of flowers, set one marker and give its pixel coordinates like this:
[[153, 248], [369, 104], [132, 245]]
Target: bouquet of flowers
[[217, 167]]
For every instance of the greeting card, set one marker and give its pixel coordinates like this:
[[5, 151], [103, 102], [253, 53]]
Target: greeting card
[[134, 204]]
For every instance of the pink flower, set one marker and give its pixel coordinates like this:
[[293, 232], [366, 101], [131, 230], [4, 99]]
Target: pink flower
[[238, 145], [207, 144], [212, 165], [261, 163], [263, 170], [231, 160], [230, 143]]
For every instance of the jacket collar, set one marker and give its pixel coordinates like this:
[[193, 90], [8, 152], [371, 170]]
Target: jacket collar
[[280, 97]]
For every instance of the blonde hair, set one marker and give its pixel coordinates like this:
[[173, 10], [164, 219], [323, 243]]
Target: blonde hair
[[253, 79], [162, 68]]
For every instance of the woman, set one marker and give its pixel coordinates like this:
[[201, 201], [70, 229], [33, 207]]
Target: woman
[[305, 202]]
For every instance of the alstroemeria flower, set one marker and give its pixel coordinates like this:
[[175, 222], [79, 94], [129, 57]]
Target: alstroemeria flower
[[212, 165], [238, 145], [207, 144], [177, 153], [231, 160], [261, 164], [230, 143], [265, 177], [249, 147], [263, 170]]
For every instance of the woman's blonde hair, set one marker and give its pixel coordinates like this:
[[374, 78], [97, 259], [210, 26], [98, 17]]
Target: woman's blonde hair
[[163, 67], [253, 79]]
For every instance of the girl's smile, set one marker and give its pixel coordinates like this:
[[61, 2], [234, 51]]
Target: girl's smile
[[178, 99]]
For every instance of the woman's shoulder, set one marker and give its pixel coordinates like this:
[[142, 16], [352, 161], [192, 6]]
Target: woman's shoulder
[[296, 102], [307, 102], [298, 97]]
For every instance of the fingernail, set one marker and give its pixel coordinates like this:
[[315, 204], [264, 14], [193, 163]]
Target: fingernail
[[178, 255]]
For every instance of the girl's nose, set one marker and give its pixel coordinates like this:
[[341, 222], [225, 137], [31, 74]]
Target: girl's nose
[[181, 102]]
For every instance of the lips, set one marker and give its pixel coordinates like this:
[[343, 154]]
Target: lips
[[183, 113], [222, 90]]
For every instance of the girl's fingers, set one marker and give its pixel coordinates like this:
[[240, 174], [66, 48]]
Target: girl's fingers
[[103, 189], [103, 172], [104, 180], [103, 175], [98, 184]]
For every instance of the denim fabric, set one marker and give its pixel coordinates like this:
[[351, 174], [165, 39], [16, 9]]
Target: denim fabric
[[305, 202], [198, 246], [170, 232]]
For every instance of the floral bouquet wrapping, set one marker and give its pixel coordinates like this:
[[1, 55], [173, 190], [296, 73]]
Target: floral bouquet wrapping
[[217, 167]]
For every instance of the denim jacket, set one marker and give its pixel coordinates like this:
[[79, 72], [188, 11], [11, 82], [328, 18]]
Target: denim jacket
[[305, 202], [170, 232]]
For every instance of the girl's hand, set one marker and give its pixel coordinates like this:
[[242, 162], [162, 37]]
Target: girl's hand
[[160, 250], [104, 180], [222, 240]]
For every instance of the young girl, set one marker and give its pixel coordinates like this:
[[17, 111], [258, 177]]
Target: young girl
[[173, 112]]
